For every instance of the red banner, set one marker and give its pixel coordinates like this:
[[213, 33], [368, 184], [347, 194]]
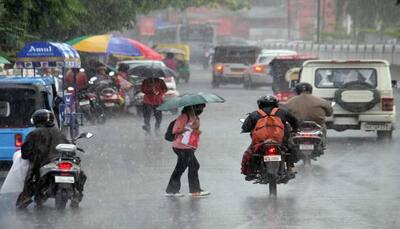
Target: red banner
[[146, 26]]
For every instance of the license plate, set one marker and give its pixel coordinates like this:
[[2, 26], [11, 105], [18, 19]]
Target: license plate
[[64, 179], [237, 69], [272, 158], [109, 104], [376, 126], [306, 147], [84, 102]]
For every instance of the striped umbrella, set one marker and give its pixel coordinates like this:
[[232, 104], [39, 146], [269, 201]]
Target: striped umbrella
[[111, 44]]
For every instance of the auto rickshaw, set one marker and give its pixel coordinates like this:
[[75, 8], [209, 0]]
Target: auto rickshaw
[[283, 68], [182, 55]]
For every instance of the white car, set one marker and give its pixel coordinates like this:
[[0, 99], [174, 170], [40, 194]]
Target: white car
[[258, 74], [360, 90]]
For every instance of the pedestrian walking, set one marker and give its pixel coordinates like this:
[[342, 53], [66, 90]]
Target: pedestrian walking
[[154, 90], [187, 135]]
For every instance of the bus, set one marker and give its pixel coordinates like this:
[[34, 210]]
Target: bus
[[199, 37]]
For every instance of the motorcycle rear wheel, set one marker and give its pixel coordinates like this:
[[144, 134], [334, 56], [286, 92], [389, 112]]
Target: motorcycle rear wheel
[[272, 187], [61, 199]]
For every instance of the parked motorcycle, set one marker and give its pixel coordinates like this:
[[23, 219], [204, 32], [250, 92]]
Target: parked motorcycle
[[89, 105], [109, 97], [309, 141], [62, 178]]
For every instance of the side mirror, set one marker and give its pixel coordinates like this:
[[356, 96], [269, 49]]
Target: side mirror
[[395, 84], [293, 83], [92, 80]]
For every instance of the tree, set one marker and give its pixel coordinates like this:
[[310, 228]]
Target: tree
[[23, 20]]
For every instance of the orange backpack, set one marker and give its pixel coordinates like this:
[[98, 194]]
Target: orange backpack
[[268, 127]]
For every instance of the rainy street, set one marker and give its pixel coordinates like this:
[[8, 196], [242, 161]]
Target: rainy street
[[354, 185]]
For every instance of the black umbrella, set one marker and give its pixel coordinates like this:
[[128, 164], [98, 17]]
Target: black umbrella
[[145, 71]]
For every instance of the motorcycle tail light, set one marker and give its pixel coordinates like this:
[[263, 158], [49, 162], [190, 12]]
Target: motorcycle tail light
[[64, 165], [387, 104], [272, 150], [18, 140]]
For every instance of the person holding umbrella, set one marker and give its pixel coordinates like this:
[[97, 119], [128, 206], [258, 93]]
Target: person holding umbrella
[[153, 89], [186, 131]]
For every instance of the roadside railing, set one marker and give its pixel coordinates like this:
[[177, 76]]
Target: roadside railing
[[390, 53]]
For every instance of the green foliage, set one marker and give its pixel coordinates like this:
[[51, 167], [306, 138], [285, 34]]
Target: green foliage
[[24, 20]]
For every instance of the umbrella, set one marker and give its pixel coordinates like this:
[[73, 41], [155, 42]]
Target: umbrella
[[111, 44], [146, 71], [190, 100], [4, 60]]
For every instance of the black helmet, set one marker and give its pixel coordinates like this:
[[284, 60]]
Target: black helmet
[[303, 87], [267, 101], [43, 117]]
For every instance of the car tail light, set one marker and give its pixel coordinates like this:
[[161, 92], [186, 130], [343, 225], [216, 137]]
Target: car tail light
[[258, 69], [18, 140], [219, 68], [64, 165], [387, 104], [168, 79], [271, 150]]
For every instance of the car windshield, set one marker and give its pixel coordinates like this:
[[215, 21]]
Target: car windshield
[[334, 78], [265, 59], [235, 55], [16, 107]]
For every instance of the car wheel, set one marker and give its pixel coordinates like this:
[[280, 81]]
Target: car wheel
[[215, 83], [382, 135], [245, 83]]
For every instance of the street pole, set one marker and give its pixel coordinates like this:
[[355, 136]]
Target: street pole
[[318, 20], [288, 19]]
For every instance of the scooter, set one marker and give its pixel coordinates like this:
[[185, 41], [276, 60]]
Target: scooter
[[309, 141], [62, 178]]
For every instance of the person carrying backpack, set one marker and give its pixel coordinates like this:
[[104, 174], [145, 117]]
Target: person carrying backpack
[[280, 123], [186, 129]]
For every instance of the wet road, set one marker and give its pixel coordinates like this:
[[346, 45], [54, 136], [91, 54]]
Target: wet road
[[354, 185]]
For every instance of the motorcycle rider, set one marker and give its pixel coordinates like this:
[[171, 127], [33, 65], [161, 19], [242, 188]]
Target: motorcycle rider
[[307, 107], [267, 103], [40, 148]]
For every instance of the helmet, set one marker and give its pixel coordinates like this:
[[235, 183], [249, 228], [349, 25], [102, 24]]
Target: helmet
[[303, 87], [43, 117], [267, 101]]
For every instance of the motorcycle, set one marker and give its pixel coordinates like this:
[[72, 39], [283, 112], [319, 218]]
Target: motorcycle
[[110, 98], [91, 108], [60, 179], [309, 141], [268, 165]]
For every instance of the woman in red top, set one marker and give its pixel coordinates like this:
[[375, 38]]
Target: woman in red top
[[187, 132], [153, 90]]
